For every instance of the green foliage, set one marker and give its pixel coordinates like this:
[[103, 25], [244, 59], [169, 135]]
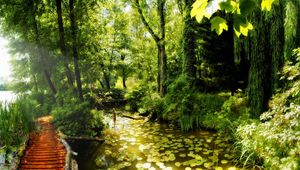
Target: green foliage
[[135, 97], [188, 107], [276, 138], [239, 9], [16, 121], [152, 104], [234, 110], [77, 119], [267, 4], [218, 24]]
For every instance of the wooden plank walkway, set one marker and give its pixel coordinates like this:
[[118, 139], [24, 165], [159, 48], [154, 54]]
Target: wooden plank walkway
[[44, 150]]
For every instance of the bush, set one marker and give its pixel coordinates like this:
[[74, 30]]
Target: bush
[[276, 138], [187, 106], [232, 113], [75, 119], [151, 104], [135, 97]]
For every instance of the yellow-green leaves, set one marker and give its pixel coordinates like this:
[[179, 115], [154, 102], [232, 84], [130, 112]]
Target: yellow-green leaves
[[243, 28], [199, 10], [203, 8], [218, 24], [230, 7], [267, 4], [240, 9], [241, 25]]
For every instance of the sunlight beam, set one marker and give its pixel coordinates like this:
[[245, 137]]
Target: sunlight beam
[[5, 71]]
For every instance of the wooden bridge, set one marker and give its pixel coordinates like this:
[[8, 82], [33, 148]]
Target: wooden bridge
[[44, 150]]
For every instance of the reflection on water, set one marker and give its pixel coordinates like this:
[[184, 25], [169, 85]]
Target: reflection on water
[[134, 145], [7, 96]]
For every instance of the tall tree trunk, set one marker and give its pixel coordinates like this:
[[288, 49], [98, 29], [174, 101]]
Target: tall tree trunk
[[276, 19], [75, 50], [266, 54], [107, 80], [162, 48], [229, 50], [163, 70], [292, 27], [102, 84], [44, 58], [62, 42], [189, 41], [123, 72], [36, 87], [160, 43], [48, 79]]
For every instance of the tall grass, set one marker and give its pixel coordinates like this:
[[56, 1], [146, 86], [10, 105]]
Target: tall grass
[[16, 120]]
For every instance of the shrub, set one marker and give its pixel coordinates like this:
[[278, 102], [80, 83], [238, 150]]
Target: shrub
[[135, 97], [276, 138], [187, 106], [151, 104], [75, 119], [233, 111]]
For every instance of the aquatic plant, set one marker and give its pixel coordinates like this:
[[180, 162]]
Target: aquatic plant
[[16, 121]]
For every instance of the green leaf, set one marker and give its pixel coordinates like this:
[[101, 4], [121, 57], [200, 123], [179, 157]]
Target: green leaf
[[267, 4], [243, 29], [199, 10], [238, 20], [230, 6], [218, 24]]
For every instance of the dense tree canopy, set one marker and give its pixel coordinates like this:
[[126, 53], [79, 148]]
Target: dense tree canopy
[[217, 64]]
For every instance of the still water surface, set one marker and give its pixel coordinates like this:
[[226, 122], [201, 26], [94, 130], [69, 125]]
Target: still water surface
[[135, 145]]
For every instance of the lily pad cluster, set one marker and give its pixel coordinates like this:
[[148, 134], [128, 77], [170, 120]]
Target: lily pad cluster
[[134, 145]]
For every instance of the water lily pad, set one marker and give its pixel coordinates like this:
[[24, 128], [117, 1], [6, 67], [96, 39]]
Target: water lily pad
[[224, 161], [183, 155], [208, 140], [218, 168], [138, 165], [188, 168], [160, 164], [207, 164], [177, 164]]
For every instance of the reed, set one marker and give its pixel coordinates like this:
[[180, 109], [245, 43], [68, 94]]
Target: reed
[[16, 121]]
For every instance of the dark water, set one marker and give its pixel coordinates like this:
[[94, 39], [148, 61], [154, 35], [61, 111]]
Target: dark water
[[135, 145], [87, 152]]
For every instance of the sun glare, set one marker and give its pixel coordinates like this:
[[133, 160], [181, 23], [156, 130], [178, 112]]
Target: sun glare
[[4, 60]]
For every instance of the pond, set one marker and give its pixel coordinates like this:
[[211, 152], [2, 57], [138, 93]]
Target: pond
[[135, 145], [7, 96]]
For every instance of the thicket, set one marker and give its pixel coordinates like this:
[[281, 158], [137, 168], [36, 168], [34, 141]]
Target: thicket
[[275, 138], [16, 121], [273, 141], [184, 105], [75, 118]]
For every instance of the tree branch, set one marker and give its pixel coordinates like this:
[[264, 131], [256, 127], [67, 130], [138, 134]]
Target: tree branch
[[139, 8]]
